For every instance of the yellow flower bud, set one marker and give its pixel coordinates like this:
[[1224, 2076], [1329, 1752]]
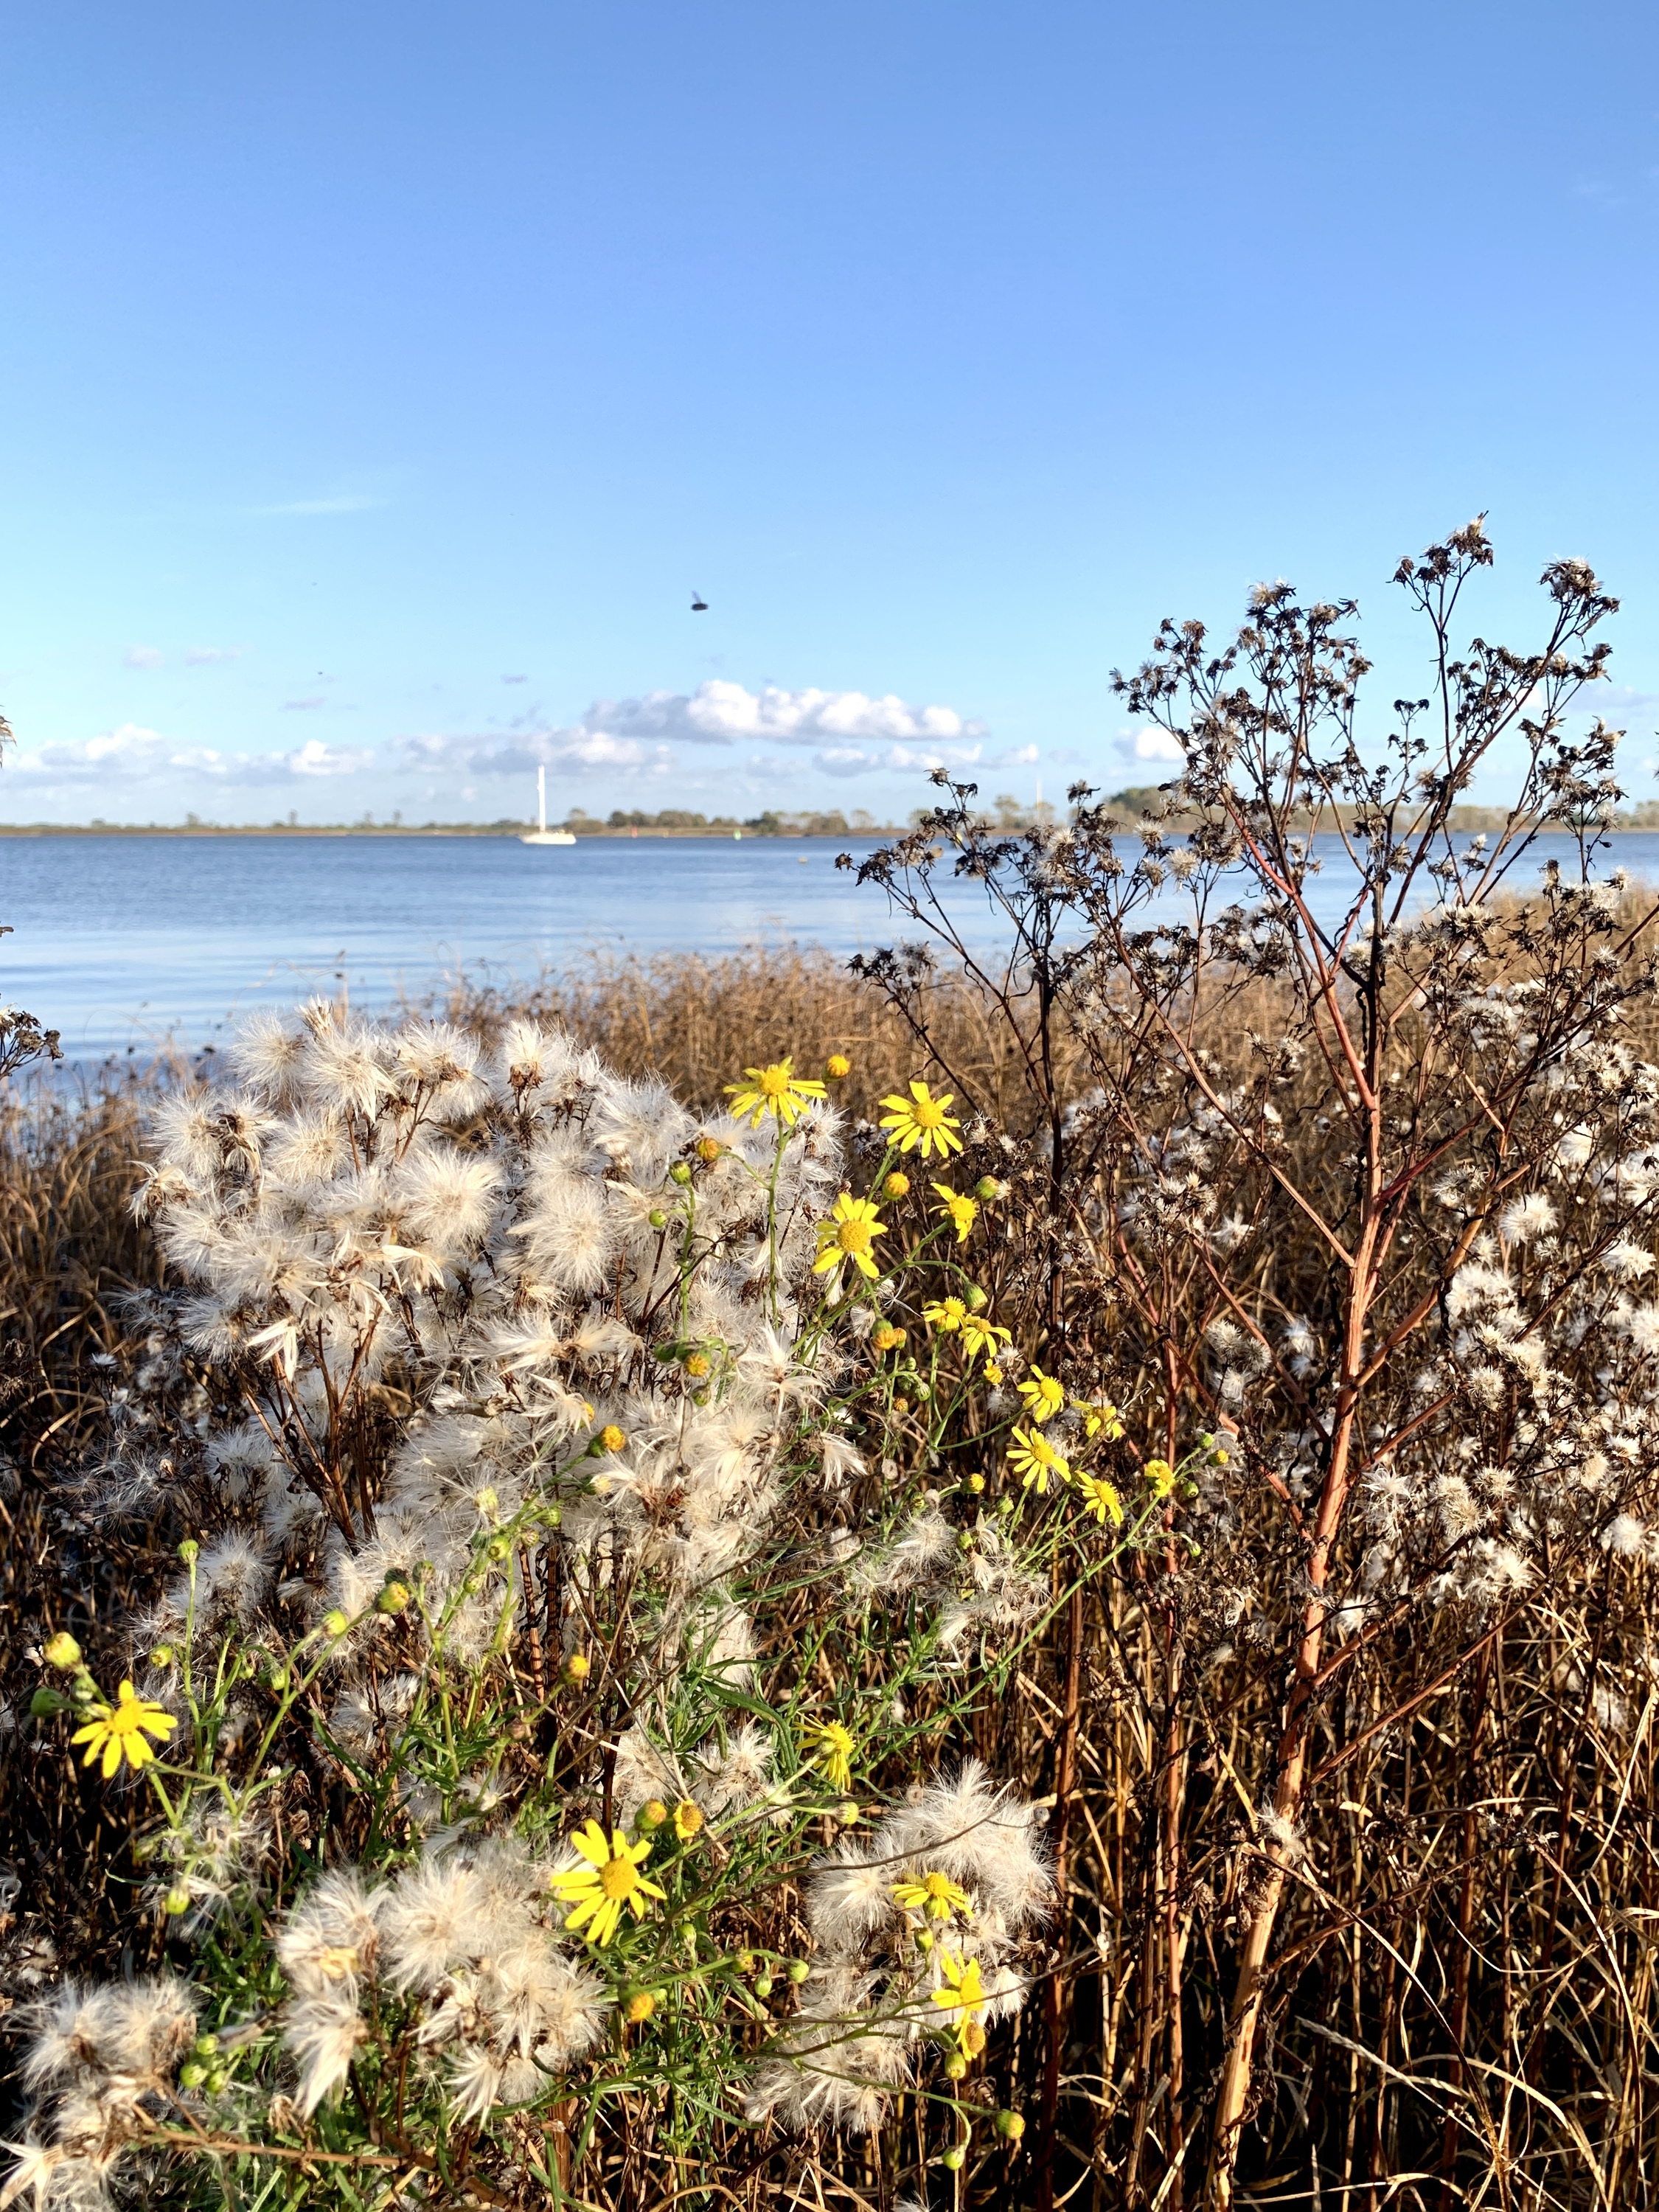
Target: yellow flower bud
[[577, 1667], [652, 1814], [613, 1437], [641, 2005], [62, 1652], [896, 1185]]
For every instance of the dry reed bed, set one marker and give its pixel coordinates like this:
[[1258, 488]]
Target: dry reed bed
[[1464, 2006]]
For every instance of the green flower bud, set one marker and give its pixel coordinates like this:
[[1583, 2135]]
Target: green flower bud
[[954, 2159], [44, 1702], [1010, 2126], [62, 1652], [395, 1597], [680, 1173], [977, 1300], [956, 2066], [189, 1551], [192, 2074], [848, 1812], [278, 1680], [986, 1189], [218, 2080], [498, 1548], [335, 1624], [763, 1985], [177, 1901], [657, 1218], [163, 1655], [205, 2045], [799, 1970]]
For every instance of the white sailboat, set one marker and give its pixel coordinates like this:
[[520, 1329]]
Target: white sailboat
[[542, 835]]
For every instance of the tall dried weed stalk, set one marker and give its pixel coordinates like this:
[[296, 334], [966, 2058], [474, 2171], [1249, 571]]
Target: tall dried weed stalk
[[1112, 1665]]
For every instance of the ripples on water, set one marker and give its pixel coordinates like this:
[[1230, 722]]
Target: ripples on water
[[123, 943]]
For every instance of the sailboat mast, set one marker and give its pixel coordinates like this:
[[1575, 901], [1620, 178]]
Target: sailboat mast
[[541, 800]]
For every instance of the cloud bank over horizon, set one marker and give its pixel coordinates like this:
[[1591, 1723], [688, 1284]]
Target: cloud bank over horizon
[[667, 737]]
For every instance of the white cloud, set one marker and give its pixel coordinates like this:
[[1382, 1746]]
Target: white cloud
[[204, 656], [142, 656], [850, 732], [1150, 745], [573, 751], [134, 754], [916, 759], [315, 758], [721, 712], [786, 735]]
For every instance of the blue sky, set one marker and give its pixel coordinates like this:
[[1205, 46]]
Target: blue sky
[[379, 382]]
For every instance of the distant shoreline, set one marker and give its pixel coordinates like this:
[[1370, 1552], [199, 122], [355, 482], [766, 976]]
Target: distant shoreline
[[511, 833]]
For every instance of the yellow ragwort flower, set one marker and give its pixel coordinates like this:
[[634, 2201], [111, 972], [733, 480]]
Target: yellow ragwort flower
[[1034, 1459], [1100, 1498], [945, 1315], [1044, 1396], [936, 1897], [963, 1994], [964, 1211], [1098, 1416], [838, 1068], [922, 1119], [979, 1336], [835, 1747], [777, 1091], [688, 1819], [853, 1226], [1160, 1477], [121, 1731], [597, 1892]]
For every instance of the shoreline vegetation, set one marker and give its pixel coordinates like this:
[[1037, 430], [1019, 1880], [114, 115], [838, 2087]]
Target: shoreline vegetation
[[935, 1582], [1004, 813]]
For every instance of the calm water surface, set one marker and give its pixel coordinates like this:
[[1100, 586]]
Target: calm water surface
[[126, 943], [123, 943]]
